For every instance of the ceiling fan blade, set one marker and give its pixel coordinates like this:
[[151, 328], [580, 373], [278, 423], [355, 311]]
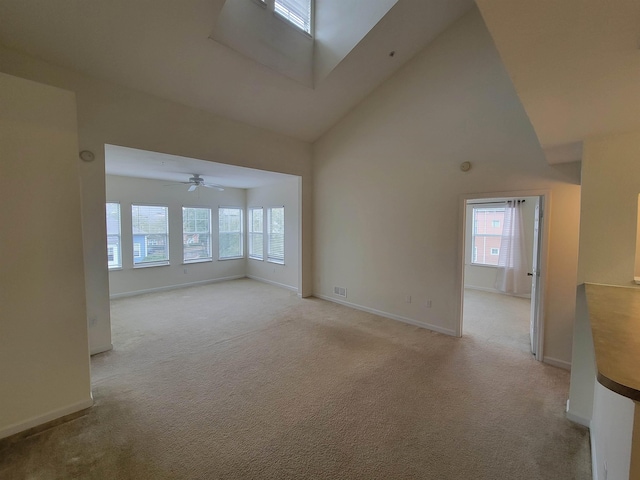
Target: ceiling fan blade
[[192, 188], [176, 183], [213, 185]]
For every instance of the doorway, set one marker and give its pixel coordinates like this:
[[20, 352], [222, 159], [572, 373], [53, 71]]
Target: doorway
[[501, 274]]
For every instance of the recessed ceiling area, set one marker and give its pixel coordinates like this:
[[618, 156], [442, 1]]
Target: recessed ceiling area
[[163, 48], [252, 28], [131, 162]]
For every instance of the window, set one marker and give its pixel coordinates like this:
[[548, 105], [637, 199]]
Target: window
[[114, 252], [256, 233], [196, 234], [230, 232], [150, 230], [298, 12], [487, 235], [275, 240]]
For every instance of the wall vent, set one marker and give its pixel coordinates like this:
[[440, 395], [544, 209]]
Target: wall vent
[[340, 291]]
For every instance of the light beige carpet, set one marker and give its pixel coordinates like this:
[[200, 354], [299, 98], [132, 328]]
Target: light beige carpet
[[498, 320], [245, 381]]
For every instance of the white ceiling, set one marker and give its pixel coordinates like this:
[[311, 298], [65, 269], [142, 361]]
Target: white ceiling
[[574, 63], [130, 162], [162, 47]]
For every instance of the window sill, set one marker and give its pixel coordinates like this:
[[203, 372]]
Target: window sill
[[482, 265], [149, 265], [200, 260], [230, 258], [277, 262], [114, 269], [258, 259]]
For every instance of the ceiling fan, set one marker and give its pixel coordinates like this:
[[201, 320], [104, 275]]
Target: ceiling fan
[[197, 181]]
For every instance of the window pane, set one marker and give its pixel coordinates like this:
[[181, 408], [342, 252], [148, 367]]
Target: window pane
[[114, 252], [298, 12], [196, 234], [256, 237], [150, 234], [487, 235], [230, 232], [275, 243]]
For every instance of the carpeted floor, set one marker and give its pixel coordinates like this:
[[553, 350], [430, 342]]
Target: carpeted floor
[[242, 380], [496, 319]]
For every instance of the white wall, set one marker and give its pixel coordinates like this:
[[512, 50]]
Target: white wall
[[339, 27], [287, 194], [483, 277], [609, 210], [128, 191], [583, 364], [611, 431], [387, 186], [110, 114], [258, 33], [44, 354]]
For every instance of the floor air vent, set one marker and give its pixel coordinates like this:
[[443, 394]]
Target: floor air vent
[[340, 291]]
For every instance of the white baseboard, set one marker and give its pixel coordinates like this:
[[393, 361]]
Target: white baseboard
[[578, 419], [101, 349], [557, 363], [174, 287], [594, 457], [271, 282], [380, 313], [47, 417]]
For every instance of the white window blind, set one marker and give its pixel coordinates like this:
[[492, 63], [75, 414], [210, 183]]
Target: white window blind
[[150, 229], [114, 250], [275, 240], [196, 234], [298, 12], [256, 233], [230, 232]]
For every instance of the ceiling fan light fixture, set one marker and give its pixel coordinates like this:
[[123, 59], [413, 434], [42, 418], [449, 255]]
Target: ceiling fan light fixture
[[196, 181]]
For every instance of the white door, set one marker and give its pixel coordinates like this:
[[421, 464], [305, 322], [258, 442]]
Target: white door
[[535, 279]]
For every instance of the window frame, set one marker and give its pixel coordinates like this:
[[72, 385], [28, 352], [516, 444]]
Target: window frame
[[251, 234], [152, 263], [240, 233], [270, 5], [474, 234], [209, 257], [118, 251], [287, 19], [270, 257]]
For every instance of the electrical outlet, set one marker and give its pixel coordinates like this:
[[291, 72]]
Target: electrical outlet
[[407, 299], [427, 304], [184, 271]]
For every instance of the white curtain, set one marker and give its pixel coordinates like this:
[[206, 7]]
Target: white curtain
[[512, 260]]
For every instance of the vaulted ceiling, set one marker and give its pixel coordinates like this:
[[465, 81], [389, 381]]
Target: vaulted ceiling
[[162, 47], [575, 65]]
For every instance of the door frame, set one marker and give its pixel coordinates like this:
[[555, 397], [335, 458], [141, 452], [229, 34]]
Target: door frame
[[543, 247]]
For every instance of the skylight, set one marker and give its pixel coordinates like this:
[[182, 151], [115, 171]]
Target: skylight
[[298, 12]]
